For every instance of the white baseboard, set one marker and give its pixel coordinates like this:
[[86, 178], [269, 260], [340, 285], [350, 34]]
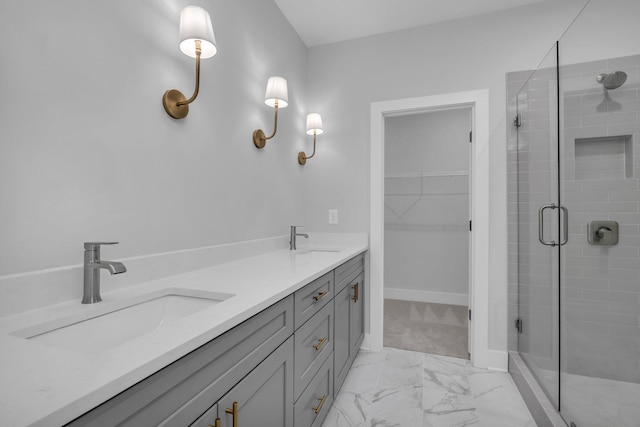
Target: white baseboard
[[426, 296], [494, 360]]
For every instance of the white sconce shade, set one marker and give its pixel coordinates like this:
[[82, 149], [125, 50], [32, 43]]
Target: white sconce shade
[[314, 124], [276, 91], [195, 24]]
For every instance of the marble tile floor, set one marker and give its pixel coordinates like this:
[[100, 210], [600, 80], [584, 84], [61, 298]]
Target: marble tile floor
[[409, 389], [597, 402]]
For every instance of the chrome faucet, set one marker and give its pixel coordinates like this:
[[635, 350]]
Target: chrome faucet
[[92, 266], [294, 234]]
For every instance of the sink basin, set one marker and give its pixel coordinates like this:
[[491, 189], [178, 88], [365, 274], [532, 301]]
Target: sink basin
[[106, 325], [317, 250]]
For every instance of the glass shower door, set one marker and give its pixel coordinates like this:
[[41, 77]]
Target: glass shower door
[[538, 225], [600, 346]]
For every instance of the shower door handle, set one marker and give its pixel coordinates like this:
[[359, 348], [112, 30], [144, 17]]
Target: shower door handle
[[541, 224], [565, 226]]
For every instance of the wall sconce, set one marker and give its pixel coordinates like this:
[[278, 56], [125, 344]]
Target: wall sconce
[[197, 41], [314, 127], [276, 97]]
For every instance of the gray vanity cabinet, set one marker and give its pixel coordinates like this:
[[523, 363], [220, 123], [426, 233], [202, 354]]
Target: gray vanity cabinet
[[274, 369], [348, 317]]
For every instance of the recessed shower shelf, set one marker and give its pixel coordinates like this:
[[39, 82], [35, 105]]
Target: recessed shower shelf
[[605, 157]]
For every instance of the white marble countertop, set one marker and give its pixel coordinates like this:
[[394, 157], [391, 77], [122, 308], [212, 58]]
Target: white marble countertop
[[44, 385]]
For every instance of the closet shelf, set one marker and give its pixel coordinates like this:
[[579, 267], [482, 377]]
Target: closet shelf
[[405, 192], [427, 183], [426, 174]]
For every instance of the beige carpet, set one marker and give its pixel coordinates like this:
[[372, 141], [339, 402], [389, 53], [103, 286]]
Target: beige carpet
[[426, 327]]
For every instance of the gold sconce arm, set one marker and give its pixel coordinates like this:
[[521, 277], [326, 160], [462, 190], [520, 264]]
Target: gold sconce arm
[[302, 157], [259, 138], [175, 103]]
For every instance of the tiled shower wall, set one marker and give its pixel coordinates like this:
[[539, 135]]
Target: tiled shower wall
[[600, 167], [600, 159]]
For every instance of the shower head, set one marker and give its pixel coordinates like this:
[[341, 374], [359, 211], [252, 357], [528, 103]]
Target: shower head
[[612, 80]]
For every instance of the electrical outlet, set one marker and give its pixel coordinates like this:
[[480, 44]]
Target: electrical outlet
[[333, 216]]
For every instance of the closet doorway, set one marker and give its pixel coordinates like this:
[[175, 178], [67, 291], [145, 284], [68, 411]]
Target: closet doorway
[[426, 230]]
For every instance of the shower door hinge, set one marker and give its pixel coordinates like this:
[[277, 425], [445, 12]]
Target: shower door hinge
[[471, 136], [469, 314], [470, 227], [517, 122], [519, 325]]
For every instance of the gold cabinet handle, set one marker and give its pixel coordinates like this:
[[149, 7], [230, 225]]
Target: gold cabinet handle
[[318, 408], [234, 412], [321, 342], [320, 296], [355, 292], [217, 423]]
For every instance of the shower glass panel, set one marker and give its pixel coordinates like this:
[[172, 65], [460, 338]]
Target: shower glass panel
[[538, 225], [599, 162]]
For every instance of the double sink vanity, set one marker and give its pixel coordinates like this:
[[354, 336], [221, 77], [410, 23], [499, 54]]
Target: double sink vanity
[[264, 340]]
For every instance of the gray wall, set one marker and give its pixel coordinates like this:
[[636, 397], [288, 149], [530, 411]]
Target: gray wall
[[88, 152], [466, 54]]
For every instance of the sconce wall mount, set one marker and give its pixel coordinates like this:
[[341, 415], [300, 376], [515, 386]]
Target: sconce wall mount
[[197, 41]]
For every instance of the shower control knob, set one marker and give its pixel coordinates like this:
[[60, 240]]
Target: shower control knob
[[601, 232]]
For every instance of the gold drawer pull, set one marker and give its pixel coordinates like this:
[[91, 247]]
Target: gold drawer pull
[[320, 296], [355, 292], [321, 342], [318, 408], [217, 423], [234, 412]]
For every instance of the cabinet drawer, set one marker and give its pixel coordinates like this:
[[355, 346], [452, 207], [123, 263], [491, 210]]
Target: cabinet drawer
[[348, 271], [179, 393], [318, 397], [310, 299], [313, 343]]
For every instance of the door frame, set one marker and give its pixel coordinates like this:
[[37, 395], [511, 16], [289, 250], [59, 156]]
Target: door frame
[[478, 100]]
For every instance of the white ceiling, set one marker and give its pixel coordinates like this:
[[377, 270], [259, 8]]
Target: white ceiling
[[327, 21]]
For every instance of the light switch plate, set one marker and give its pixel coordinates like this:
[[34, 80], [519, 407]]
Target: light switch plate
[[333, 216]]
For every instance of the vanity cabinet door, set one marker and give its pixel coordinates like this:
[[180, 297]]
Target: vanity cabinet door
[[341, 337], [348, 329], [265, 396], [356, 320]]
